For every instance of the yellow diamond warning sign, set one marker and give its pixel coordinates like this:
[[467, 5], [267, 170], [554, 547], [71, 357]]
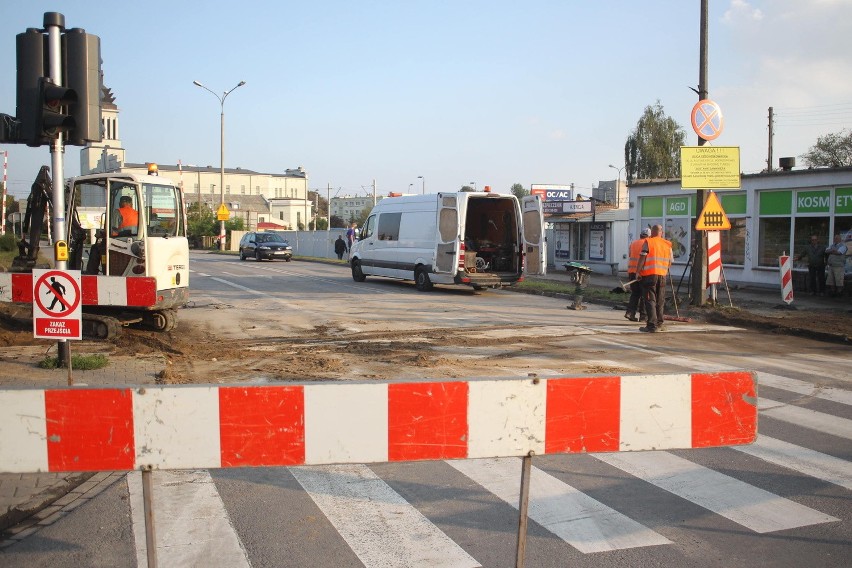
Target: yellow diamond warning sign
[[222, 214], [712, 217]]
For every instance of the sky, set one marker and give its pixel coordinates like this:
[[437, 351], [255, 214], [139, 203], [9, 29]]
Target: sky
[[490, 92]]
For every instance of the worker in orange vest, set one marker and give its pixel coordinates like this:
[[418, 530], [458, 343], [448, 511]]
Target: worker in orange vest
[[654, 261], [128, 216], [632, 272]]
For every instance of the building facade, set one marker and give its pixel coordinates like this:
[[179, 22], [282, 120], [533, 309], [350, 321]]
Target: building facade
[[772, 214]]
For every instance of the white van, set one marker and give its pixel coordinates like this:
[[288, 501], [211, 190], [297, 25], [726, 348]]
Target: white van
[[477, 239]]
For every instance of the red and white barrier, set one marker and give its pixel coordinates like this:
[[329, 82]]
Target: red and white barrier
[[85, 429], [140, 291], [786, 278], [714, 257]]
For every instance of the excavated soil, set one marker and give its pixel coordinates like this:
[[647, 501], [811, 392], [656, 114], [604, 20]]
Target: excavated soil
[[195, 352]]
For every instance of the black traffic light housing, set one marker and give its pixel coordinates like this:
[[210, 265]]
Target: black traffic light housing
[[43, 108], [52, 114]]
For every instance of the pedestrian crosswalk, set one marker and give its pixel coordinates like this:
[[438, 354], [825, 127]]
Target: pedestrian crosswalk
[[383, 529]]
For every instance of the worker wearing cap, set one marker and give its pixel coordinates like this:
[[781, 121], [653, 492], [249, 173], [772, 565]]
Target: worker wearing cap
[[128, 217], [635, 287], [654, 261]]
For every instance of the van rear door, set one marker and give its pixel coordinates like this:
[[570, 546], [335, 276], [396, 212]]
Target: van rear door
[[448, 233], [535, 246]]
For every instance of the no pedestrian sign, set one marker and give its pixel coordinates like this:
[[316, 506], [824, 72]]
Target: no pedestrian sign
[[57, 311]]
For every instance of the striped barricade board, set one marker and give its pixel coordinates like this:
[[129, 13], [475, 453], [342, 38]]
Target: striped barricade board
[[188, 427], [137, 291]]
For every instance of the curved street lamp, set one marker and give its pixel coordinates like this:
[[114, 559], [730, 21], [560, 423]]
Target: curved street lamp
[[424, 184], [617, 185], [221, 151]]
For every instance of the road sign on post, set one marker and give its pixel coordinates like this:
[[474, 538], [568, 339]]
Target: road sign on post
[[712, 217], [57, 300], [222, 214]]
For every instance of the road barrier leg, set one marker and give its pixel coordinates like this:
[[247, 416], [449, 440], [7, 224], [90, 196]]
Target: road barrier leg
[[148, 505], [523, 506]]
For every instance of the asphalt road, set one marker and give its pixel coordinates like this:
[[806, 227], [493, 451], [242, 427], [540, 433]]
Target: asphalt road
[[784, 501]]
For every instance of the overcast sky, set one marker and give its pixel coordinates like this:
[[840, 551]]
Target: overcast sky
[[493, 92]]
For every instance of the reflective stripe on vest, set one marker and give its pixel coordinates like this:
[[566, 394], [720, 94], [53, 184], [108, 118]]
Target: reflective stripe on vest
[[635, 251], [659, 257]]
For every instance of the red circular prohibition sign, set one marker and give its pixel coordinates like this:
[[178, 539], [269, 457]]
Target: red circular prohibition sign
[[707, 120], [69, 308]]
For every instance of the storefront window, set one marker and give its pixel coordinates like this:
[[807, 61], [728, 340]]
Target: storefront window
[[773, 241], [843, 227], [804, 228], [733, 242]]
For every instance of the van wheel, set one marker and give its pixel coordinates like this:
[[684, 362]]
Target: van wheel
[[421, 279], [357, 274]]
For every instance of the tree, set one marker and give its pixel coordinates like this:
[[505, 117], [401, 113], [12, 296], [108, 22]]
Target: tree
[[830, 151], [466, 188], [200, 221], [519, 191], [652, 150], [337, 222]]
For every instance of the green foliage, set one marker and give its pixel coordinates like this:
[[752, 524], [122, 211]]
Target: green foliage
[[466, 188], [8, 242], [652, 150], [519, 191], [322, 224], [235, 224], [830, 151], [78, 362], [337, 222], [200, 221]]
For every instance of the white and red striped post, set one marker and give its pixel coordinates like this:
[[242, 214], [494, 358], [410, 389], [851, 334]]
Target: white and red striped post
[[3, 194], [786, 278], [714, 261]]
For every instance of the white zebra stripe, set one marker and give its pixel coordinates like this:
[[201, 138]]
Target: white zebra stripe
[[380, 527], [744, 504], [584, 523], [803, 460]]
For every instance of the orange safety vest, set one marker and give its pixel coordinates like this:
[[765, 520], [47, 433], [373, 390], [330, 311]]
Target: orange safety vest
[[635, 251], [659, 257], [129, 217]]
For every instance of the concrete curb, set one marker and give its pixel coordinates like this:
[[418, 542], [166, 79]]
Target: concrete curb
[[52, 493]]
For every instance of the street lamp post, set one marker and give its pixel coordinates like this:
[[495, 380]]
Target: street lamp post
[[221, 151], [410, 185], [617, 185], [473, 184], [424, 184]]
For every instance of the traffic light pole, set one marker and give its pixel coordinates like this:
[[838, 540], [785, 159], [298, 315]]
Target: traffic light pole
[[54, 24]]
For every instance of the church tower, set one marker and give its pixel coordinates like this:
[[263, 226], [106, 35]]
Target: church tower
[[106, 155]]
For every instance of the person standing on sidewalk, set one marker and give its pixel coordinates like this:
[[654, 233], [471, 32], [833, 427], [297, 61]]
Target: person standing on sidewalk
[[654, 261], [815, 254], [836, 266], [635, 288]]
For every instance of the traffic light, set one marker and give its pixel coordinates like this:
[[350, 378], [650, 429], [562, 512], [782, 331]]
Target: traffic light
[[52, 112], [31, 55], [82, 72]]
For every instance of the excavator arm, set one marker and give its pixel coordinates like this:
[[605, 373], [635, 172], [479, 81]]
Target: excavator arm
[[37, 203]]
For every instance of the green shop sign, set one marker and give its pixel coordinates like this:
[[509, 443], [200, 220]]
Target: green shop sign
[[843, 200], [677, 206], [813, 201]]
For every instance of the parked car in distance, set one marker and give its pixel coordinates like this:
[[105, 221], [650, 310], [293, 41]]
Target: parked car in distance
[[265, 245]]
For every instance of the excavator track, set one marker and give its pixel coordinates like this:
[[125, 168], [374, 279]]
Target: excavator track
[[100, 327]]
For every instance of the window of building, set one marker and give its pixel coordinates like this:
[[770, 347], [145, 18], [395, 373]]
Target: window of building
[[195, 187], [228, 189], [257, 188], [212, 188], [281, 215], [774, 226], [243, 189], [734, 240]]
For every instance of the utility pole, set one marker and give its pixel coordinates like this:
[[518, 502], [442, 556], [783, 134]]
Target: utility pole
[[328, 206], [699, 245], [374, 192], [771, 136]]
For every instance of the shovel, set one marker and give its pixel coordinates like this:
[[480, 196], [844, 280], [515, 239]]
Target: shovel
[[626, 285]]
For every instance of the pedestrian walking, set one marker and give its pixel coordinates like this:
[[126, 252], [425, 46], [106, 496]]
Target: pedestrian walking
[[836, 260], [339, 247], [350, 236]]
